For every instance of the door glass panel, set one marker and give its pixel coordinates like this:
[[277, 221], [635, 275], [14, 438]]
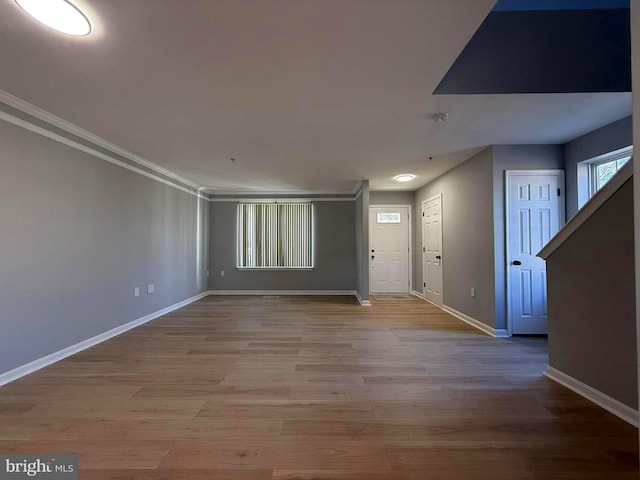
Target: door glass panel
[[388, 217]]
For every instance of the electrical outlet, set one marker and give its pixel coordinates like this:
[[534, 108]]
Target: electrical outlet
[[136, 292], [222, 273], [150, 288], [473, 292]]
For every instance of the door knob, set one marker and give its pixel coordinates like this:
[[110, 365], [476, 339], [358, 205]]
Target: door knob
[[372, 257], [438, 257], [517, 262]]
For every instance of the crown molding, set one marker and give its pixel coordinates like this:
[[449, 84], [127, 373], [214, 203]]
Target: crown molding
[[223, 194], [274, 197], [83, 148], [50, 119], [150, 169], [357, 187]]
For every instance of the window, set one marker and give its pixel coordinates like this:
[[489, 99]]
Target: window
[[603, 168], [275, 235], [601, 172], [388, 217]]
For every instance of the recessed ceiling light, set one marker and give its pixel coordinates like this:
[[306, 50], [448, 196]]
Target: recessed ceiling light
[[57, 14], [405, 177]]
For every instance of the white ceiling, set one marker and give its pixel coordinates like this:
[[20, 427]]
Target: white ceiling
[[306, 95]]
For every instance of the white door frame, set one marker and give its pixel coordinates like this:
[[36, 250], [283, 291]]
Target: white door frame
[[408, 206], [561, 212], [423, 263]]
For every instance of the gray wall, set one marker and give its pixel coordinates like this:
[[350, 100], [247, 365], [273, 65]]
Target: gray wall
[[391, 198], [467, 247], [78, 234], [513, 157], [603, 140], [592, 329], [358, 238], [635, 67], [473, 223], [335, 253], [362, 241]]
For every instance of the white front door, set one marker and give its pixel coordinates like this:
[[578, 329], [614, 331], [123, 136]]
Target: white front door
[[389, 244], [432, 249], [535, 213]]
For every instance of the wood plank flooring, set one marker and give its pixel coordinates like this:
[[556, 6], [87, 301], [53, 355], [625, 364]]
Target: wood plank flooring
[[310, 388]]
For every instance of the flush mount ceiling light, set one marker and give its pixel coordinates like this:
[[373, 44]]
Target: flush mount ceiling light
[[57, 14], [405, 177], [440, 117]]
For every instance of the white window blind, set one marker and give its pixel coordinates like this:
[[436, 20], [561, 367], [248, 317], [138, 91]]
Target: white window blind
[[274, 235]]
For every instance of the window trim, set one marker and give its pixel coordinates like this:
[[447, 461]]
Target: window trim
[[593, 163], [278, 202]]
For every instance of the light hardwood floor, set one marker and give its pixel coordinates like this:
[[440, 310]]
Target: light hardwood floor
[[252, 388]]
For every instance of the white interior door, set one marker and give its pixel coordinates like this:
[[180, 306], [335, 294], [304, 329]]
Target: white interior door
[[535, 213], [389, 244], [432, 249]]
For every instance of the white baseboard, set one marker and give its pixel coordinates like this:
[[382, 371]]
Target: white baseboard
[[416, 294], [494, 332], [282, 292], [364, 303], [35, 365], [612, 405]]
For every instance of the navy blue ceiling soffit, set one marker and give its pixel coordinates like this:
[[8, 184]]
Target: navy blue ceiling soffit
[[523, 5], [545, 51]]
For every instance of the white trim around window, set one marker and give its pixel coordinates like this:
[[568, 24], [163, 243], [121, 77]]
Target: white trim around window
[[601, 171]]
